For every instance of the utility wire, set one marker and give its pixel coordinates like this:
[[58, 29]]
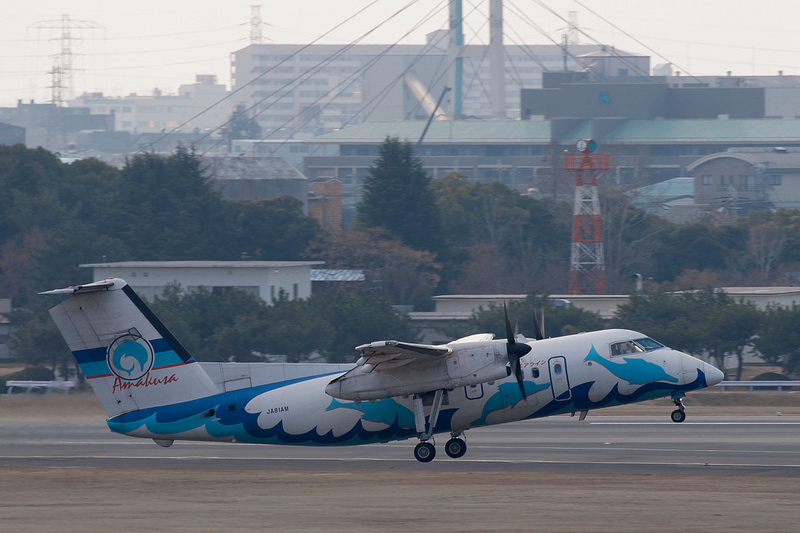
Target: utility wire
[[525, 18], [310, 73], [628, 35], [377, 99], [256, 78], [612, 51], [353, 77]]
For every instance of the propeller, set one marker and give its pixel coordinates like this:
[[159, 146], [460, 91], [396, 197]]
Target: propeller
[[515, 351], [539, 328]]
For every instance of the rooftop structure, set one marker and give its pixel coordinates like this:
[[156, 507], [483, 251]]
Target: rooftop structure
[[256, 178], [742, 180], [265, 279]]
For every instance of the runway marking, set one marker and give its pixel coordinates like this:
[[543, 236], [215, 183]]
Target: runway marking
[[695, 423], [409, 460], [522, 447]]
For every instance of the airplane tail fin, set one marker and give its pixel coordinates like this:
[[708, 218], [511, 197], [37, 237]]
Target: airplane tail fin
[[128, 356]]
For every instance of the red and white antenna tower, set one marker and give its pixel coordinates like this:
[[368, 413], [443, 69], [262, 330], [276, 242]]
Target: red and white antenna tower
[[587, 269]]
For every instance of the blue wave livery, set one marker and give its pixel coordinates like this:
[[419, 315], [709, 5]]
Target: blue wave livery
[[151, 387]]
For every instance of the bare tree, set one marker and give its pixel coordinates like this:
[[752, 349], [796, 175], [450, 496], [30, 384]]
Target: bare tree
[[628, 238], [765, 243]]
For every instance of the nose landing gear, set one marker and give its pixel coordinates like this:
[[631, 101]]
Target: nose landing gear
[[679, 414]]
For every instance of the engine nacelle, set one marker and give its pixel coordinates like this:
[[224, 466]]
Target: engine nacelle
[[469, 364]]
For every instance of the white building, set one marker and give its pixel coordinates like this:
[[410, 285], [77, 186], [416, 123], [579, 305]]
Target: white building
[[323, 87], [265, 279], [462, 306], [160, 112]]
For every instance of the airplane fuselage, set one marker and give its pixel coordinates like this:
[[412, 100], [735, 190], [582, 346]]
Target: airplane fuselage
[[576, 373]]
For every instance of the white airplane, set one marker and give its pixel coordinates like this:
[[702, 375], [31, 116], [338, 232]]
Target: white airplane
[[151, 387]]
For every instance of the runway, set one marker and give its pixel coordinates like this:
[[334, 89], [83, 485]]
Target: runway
[[604, 444], [606, 473]]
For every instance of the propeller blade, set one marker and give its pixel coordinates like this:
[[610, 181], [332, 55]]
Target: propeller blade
[[539, 329], [542, 321], [517, 369], [509, 332], [515, 352]]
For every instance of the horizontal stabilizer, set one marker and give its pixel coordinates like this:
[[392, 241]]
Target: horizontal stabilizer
[[82, 289]]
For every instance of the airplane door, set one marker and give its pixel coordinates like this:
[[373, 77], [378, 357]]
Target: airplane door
[[559, 381]]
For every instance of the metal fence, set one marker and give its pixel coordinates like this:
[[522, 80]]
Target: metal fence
[[759, 385]]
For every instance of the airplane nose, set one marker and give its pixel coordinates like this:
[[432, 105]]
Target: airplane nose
[[713, 374]]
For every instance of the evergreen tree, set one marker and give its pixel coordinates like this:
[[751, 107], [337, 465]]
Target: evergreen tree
[[272, 230], [698, 322], [397, 196], [168, 210], [499, 240], [778, 338]]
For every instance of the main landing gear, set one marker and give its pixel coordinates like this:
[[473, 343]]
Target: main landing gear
[[456, 447], [424, 452], [679, 414]]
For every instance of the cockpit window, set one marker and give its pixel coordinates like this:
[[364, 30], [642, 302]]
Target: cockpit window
[[632, 347], [626, 347], [649, 344]]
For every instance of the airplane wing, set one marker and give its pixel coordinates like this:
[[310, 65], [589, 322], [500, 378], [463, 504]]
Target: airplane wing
[[382, 355], [392, 368]]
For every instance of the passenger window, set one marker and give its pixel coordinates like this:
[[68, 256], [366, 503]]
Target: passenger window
[[557, 368], [535, 372]]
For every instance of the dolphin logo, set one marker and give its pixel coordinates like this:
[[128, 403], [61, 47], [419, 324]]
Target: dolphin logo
[[130, 357], [508, 395], [634, 370]]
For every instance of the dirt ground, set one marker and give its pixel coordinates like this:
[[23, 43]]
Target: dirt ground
[[284, 500], [108, 499]]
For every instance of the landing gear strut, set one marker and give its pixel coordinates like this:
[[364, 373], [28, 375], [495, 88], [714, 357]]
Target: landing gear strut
[[679, 414], [424, 452]]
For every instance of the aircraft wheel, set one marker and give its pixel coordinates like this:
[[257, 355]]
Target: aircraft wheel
[[455, 448], [678, 415], [424, 452]]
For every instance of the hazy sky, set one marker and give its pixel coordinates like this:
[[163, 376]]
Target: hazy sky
[[135, 46]]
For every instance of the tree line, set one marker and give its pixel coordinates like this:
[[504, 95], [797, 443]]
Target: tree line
[[56, 216], [487, 238], [413, 236]]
